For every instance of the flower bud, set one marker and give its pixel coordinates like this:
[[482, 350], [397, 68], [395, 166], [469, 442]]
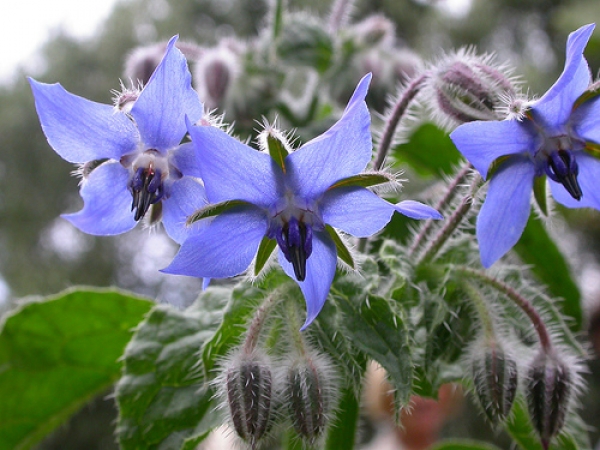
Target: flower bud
[[374, 30], [308, 389], [249, 384], [549, 388], [495, 378], [215, 72], [466, 87]]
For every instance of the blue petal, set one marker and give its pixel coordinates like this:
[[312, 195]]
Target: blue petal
[[504, 214], [107, 202], [80, 130], [483, 142], [555, 107], [589, 174], [342, 151], [320, 270], [355, 210], [417, 210], [234, 171], [586, 121], [224, 248], [186, 196], [168, 97], [186, 160]]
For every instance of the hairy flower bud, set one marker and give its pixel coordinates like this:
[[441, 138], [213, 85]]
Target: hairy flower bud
[[215, 73], [549, 389], [465, 87], [374, 30], [308, 389], [249, 385], [495, 378]]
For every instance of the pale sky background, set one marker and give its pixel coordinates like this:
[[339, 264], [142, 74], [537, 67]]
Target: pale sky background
[[26, 24]]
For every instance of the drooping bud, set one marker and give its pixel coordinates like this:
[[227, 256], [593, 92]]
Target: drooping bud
[[125, 99], [495, 378], [249, 385], [374, 30], [309, 388], [549, 387], [215, 72], [465, 87]]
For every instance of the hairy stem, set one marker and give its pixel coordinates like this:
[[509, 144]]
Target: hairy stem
[[518, 299], [255, 327], [451, 223], [339, 14], [482, 310], [397, 113], [448, 197]]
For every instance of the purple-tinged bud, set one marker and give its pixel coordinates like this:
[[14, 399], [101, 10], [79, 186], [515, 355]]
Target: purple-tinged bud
[[495, 378], [249, 385], [549, 387], [215, 72], [374, 30], [309, 388], [464, 87], [125, 100]]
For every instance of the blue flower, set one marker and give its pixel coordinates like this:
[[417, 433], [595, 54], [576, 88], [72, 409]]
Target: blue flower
[[292, 200], [140, 156], [554, 137]]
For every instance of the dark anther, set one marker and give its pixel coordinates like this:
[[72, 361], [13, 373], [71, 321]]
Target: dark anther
[[295, 240], [146, 188], [563, 169]]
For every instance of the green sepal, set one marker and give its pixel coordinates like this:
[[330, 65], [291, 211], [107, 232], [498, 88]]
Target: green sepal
[[592, 92], [342, 251], [539, 192], [277, 151], [265, 249], [214, 210], [592, 149], [364, 180], [495, 165]]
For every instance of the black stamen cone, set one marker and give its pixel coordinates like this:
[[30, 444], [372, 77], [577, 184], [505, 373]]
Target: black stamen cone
[[562, 168], [298, 260], [144, 192]]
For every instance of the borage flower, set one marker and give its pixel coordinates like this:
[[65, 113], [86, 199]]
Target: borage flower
[[292, 200], [550, 139], [137, 155]]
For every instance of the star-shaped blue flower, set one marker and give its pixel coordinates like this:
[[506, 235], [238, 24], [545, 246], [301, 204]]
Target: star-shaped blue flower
[[553, 139], [292, 201], [142, 159]]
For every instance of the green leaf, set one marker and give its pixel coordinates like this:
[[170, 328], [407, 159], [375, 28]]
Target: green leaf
[[538, 249], [214, 210], [341, 433], [364, 180], [265, 249], [163, 396], [429, 151], [56, 354], [304, 41], [342, 251], [453, 444], [380, 332]]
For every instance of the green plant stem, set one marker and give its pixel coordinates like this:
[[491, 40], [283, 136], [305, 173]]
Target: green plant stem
[[396, 114], [258, 321], [451, 223], [339, 14], [448, 197], [518, 299], [294, 327], [482, 310]]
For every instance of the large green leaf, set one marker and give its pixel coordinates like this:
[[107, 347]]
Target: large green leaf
[[380, 333], [164, 399], [56, 354], [547, 262], [429, 151]]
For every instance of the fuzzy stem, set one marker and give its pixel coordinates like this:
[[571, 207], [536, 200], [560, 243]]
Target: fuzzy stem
[[519, 300], [258, 321], [339, 14], [451, 224], [451, 191], [395, 116], [482, 310], [278, 8], [293, 325]]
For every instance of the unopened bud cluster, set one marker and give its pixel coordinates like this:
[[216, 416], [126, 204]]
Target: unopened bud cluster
[[258, 394], [464, 87]]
